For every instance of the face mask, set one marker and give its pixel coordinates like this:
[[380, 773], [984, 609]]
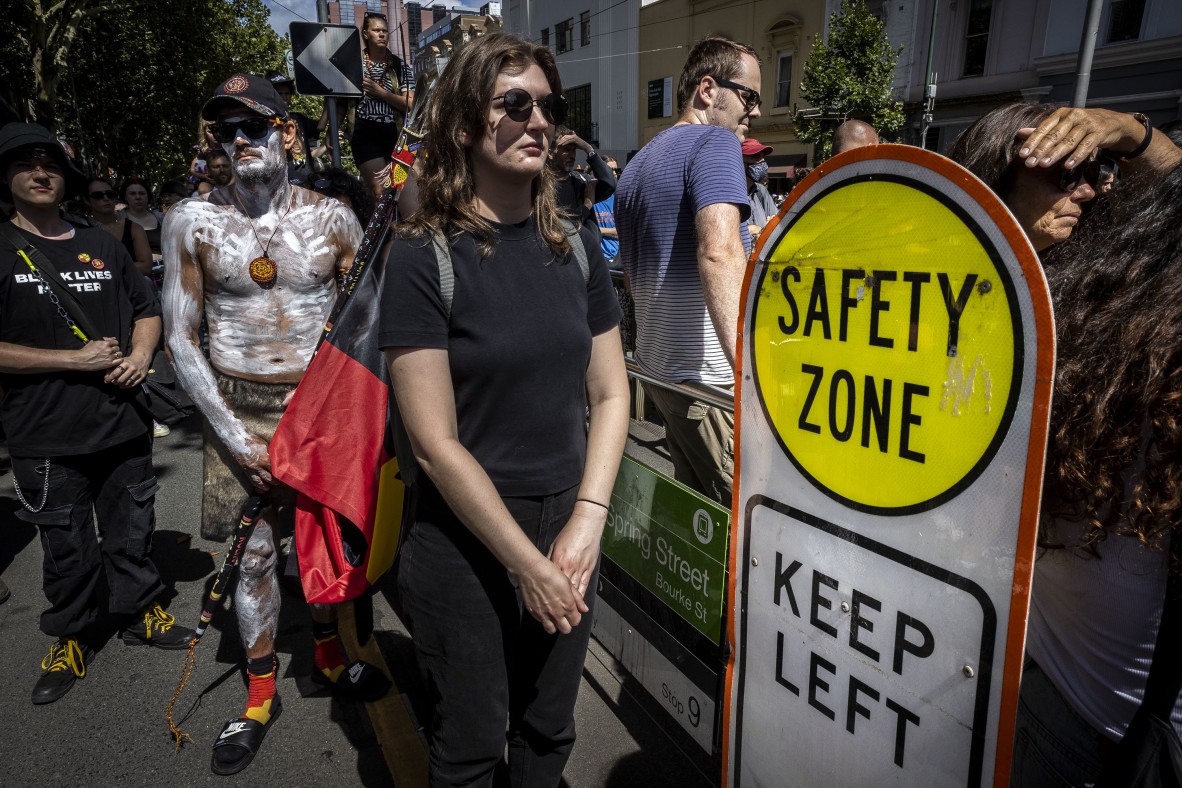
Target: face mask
[[757, 171]]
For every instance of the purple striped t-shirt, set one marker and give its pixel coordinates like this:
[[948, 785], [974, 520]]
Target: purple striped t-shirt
[[680, 171]]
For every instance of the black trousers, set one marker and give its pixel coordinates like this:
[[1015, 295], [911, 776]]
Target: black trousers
[[487, 661], [118, 486]]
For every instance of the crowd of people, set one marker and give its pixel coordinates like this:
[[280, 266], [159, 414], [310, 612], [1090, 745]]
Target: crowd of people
[[502, 335]]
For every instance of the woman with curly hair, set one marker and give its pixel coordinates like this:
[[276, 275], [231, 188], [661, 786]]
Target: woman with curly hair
[[512, 388], [1112, 497]]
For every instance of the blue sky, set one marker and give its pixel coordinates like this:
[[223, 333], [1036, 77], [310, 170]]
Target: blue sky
[[295, 11]]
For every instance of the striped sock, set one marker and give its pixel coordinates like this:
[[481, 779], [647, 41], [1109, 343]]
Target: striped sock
[[260, 674], [327, 652]]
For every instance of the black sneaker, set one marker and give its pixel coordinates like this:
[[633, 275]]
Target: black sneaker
[[63, 665], [155, 627]]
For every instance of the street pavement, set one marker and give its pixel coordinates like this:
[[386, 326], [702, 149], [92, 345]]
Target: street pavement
[[110, 730]]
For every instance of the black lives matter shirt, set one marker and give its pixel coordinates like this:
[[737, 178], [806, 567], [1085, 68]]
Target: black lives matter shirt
[[67, 413], [518, 343]]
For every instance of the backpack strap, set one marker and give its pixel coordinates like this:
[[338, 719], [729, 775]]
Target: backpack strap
[[447, 274], [576, 245], [67, 302]]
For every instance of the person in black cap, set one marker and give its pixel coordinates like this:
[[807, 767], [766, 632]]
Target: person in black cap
[[81, 448], [260, 258]]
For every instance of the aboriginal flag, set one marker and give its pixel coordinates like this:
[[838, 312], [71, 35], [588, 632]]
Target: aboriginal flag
[[334, 446]]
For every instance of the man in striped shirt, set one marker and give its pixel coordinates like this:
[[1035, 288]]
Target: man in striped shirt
[[681, 211]]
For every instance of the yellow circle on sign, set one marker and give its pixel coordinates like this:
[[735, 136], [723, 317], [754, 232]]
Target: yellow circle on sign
[[884, 345]]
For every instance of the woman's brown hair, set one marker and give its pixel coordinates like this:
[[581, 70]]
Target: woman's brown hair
[[458, 107], [1115, 451], [988, 148]]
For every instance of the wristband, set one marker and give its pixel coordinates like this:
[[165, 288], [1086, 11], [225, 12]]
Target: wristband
[[591, 153], [588, 500], [1137, 151]]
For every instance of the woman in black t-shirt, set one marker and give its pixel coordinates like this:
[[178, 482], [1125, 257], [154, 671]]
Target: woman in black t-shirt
[[494, 385]]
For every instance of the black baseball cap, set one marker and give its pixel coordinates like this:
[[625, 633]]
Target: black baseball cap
[[15, 137], [252, 91], [279, 78]]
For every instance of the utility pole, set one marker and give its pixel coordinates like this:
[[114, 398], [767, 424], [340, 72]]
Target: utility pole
[[1087, 47], [330, 102], [929, 87]]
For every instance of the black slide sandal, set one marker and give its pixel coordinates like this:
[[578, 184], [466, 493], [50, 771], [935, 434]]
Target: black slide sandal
[[240, 740], [359, 680]]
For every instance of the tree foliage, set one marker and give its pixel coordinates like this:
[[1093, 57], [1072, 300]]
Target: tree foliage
[[125, 79], [850, 74]]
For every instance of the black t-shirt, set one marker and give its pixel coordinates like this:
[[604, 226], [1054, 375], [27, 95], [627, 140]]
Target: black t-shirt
[[518, 344], [66, 413]]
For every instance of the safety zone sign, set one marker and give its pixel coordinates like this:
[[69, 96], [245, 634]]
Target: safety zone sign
[[897, 357]]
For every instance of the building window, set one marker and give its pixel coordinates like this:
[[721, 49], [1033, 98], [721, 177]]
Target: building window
[[977, 37], [784, 80], [1124, 20], [564, 36], [584, 28], [578, 115], [545, 36]]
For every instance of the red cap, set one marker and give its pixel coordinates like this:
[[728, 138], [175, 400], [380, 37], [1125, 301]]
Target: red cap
[[753, 147]]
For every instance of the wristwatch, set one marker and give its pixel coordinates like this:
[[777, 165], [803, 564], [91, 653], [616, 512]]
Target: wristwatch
[[1137, 151]]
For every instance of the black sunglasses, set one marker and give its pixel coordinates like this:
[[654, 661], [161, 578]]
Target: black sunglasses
[[1068, 180], [107, 195], [750, 96], [1089, 172], [253, 128], [337, 183], [519, 105]]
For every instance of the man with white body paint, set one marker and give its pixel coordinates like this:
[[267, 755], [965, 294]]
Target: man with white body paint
[[260, 259]]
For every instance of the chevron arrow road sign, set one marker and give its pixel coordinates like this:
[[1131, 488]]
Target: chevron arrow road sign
[[327, 59]]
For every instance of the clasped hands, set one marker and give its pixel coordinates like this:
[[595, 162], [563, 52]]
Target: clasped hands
[[554, 585]]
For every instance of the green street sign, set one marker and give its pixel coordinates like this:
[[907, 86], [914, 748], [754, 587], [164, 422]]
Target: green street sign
[[672, 541]]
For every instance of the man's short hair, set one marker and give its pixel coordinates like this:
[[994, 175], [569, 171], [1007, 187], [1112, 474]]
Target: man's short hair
[[216, 153], [713, 56]]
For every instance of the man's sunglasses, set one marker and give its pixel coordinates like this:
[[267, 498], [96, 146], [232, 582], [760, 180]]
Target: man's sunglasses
[[750, 96], [252, 128], [105, 195], [519, 105]]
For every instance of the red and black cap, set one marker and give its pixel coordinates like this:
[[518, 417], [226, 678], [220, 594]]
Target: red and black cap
[[252, 91]]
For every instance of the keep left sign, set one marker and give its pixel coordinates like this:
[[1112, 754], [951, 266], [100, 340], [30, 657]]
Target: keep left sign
[[896, 367]]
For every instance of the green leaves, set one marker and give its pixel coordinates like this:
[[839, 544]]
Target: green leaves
[[127, 78], [852, 73]]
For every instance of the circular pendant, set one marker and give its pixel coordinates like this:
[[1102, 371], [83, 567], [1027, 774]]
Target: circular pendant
[[264, 271]]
